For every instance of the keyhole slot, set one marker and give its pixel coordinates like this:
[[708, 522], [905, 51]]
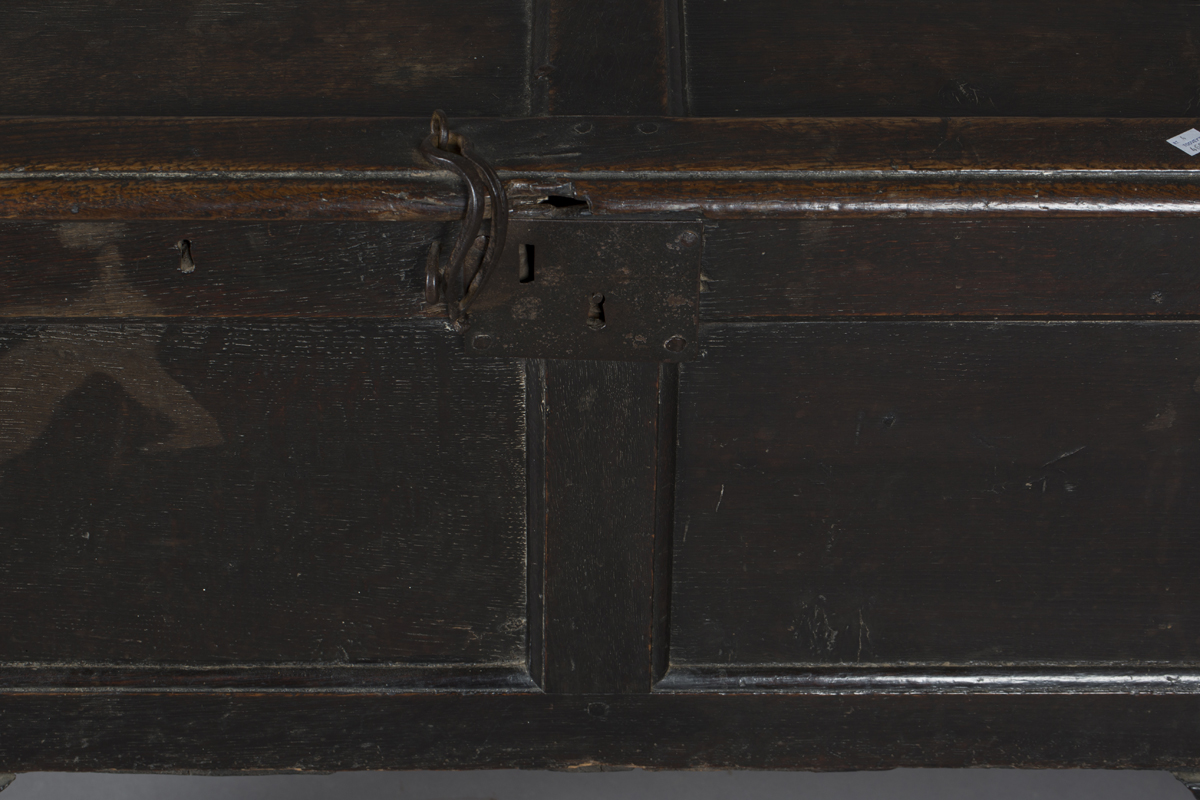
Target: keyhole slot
[[525, 263], [186, 264], [595, 317]]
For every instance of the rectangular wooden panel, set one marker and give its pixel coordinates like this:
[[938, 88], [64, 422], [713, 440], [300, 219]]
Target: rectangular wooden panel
[[606, 58], [273, 58], [259, 493], [876, 58], [938, 494], [231, 269], [601, 446], [951, 267]]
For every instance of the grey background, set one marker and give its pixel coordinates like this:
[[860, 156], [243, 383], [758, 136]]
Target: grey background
[[903, 784]]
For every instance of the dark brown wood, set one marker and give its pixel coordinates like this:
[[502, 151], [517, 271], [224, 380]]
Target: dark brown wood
[[240, 493], [601, 450], [267, 199], [535, 515], [346, 147], [716, 197], [294, 57], [371, 171], [224, 731], [261, 512], [257, 269], [982, 266], [935, 493], [743, 197], [664, 519], [327, 677], [588, 70], [1112, 58], [723, 196]]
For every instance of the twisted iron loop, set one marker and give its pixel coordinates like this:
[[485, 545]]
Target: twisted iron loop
[[454, 283]]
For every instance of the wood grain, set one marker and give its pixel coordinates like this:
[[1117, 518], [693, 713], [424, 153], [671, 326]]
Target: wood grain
[[601, 445], [34, 145], [937, 494], [950, 267], [281, 269], [370, 170], [279, 57], [218, 732], [233, 492], [1112, 58], [588, 70]]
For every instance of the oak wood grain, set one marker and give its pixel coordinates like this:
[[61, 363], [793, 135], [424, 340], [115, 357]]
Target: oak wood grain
[[1110, 58], [872, 268], [938, 493], [601, 452], [218, 732], [278, 57], [236, 492], [236, 269]]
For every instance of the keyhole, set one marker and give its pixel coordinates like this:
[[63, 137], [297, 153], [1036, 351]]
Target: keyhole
[[595, 318], [186, 264]]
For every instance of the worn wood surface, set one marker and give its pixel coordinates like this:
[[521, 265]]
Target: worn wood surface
[[651, 143], [279, 57], [601, 433], [127, 199], [588, 70], [937, 493], [721, 196], [259, 493], [370, 170], [768, 269], [601, 451], [282, 269], [335, 732], [257, 517], [1109, 58]]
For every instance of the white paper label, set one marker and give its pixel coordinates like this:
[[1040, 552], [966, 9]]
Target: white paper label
[[1188, 141]]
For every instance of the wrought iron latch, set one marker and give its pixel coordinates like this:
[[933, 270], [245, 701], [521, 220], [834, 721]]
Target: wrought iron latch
[[456, 284], [563, 287]]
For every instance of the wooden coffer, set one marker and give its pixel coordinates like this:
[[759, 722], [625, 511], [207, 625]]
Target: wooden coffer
[[834, 402]]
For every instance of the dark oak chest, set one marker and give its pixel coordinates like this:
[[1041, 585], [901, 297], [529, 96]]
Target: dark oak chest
[[832, 401]]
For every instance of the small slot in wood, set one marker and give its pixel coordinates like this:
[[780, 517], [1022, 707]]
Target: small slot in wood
[[525, 263], [186, 264], [595, 317]]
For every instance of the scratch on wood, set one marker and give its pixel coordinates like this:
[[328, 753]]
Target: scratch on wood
[[1061, 456], [862, 628]]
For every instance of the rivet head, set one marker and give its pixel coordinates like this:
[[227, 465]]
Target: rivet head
[[482, 341], [675, 344], [647, 127]]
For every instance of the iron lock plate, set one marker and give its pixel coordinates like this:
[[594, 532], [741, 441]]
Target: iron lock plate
[[622, 290]]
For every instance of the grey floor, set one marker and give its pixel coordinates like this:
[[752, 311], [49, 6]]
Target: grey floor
[[906, 784]]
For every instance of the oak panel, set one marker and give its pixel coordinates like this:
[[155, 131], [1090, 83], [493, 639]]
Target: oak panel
[[930, 58], [259, 493], [938, 494], [272, 58]]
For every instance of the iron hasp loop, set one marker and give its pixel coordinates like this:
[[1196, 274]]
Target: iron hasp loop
[[457, 283]]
